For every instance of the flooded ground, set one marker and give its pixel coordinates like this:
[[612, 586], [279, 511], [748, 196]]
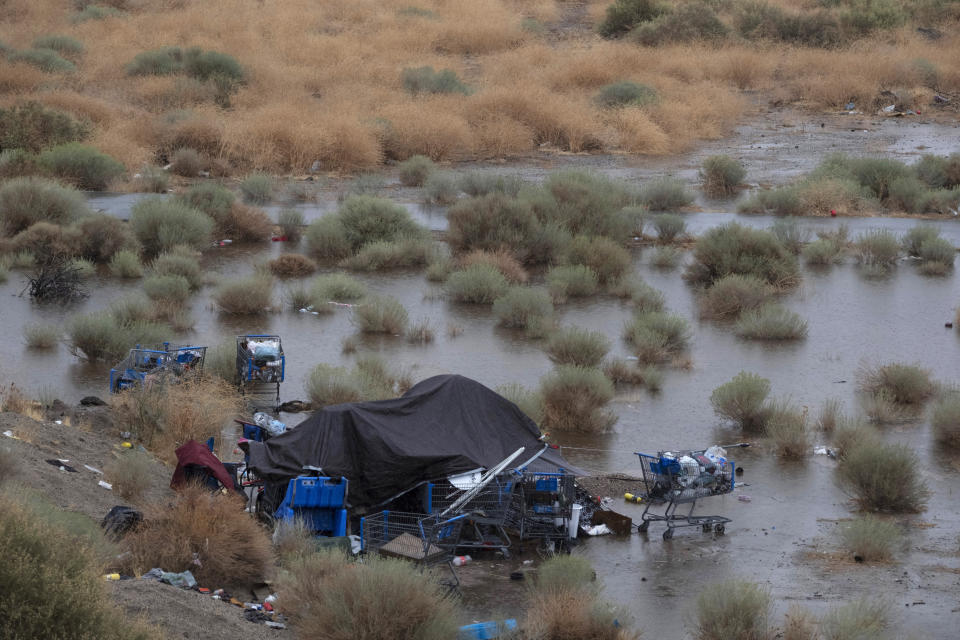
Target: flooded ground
[[785, 536]]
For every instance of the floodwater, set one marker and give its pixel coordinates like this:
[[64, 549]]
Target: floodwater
[[783, 537]]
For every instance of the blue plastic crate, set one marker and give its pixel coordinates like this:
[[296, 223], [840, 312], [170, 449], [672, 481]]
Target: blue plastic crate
[[318, 501], [486, 630]]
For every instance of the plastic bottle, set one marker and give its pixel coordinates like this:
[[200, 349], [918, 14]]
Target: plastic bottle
[[459, 561], [629, 497]]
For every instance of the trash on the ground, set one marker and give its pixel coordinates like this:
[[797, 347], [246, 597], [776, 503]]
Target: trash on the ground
[[106, 485], [125, 435], [459, 561], [119, 520], [850, 106], [744, 498], [126, 445], [273, 426], [61, 464], [527, 562], [154, 574], [597, 530], [92, 401], [94, 469], [8, 433], [111, 576], [487, 630], [183, 579], [275, 625], [253, 605], [824, 451], [629, 497], [939, 99], [58, 421], [619, 524]]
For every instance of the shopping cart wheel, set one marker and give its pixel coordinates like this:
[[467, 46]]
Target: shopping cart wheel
[[707, 527], [718, 529], [668, 534], [643, 526]]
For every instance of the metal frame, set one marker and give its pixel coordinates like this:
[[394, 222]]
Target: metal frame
[[264, 381], [142, 365]]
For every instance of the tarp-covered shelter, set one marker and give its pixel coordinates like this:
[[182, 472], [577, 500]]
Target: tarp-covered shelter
[[444, 425]]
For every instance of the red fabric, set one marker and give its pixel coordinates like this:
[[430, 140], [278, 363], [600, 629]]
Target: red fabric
[[195, 453]]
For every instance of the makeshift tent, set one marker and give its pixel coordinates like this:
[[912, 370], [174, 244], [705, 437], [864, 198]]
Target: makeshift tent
[[442, 426], [192, 457]]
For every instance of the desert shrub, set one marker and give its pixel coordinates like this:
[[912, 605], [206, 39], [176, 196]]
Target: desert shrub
[[787, 427], [415, 170], [370, 379], [54, 589], [521, 307], [246, 295], [799, 624], [25, 201], [441, 188], [571, 281], [479, 183], [669, 227], [937, 251], [164, 61], [502, 260], [368, 219], [46, 60], [862, 618], [10, 465], [247, 224], [643, 297], [162, 224], [393, 254], [212, 65], [101, 336], [426, 80], [625, 94], [381, 314], [133, 307], [733, 294], [822, 252], [946, 420], [830, 415], [607, 258], [420, 332], [869, 538], [577, 346], [733, 609], [186, 162], [790, 234], [336, 287], [33, 127], [167, 289], [439, 267], [41, 336], [100, 236], [666, 257], [15, 163], [586, 203], [743, 400], [83, 268], [623, 15], [292, 265], [61, 44], [491, 222], [257, 188], [721, 175], [657, 335], [298, 297], [771, 322], [211, 198], [327, 238], [365, 184], [325, 597], [83, 166], [783, 201], [216, 539], [221, 361], [733, 248], [665, 194], [179, 263], [905, 384], [907, 194], [620, 371], [884, 477], [47, 243], [477, 284], [574, 399], [300, 191], [130, 474], [94, 12], [689, 22], [291, 224], [917, 235], [530, 402]]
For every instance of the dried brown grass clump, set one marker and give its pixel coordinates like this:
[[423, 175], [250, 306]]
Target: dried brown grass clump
[[502, 260], [164, 417], [130, 474], [208, 533], [292, 265]]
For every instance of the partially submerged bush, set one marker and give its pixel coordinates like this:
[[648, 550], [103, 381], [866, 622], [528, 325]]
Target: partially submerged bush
[[441, 188], [291, 224], [478, 183], [733, 609], [179, 262], [381, 314], [946, 420], [608, 259], [576, 346], [571, 281], [367, 219], [625, 94], [130, 474], [904, 384], [879, 247], [791, 234], [733, 294], [101, 336], [530, 402], [26, 201], [733, 248], [161, 224], [327, 238], [787, 427], [211, 198], [257, 188], [246, 295], [336, 287], [292, 265], [669, 227], [477, 284], [325, 595], [167, 290], [80, 165], [523, 307], [420, 332], [743, 400], [721, 175], [101, 235], [415, 170], [216, 539], [884, 477], [370, 379], [247, 224], [186, 162], [391, 254], [862, 618], [666, 257], [851, 433], [503, 261], [771, 322], [665, 194], [831, 415], [870, 539], [574, 399], [41, 336], [656, 336]]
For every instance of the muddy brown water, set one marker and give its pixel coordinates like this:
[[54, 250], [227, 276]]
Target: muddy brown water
[[786, 536]]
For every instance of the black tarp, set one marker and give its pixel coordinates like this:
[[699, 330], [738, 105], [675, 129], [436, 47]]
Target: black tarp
[[444, 425]]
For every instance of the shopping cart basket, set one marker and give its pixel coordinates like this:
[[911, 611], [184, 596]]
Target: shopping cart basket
[[542, 505], [486, 512], [675, 478], [428, 541]]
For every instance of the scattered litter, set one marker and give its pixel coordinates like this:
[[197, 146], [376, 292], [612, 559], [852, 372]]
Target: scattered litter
[[527, 562], [343, 304], [275, 625], [111, 576], [252, 615], [106, 485], [516, 575], [850, 107], [597, 530], [459, 561], [154, 574], [126, 445], [889, 108], [8, 433], [184, 580], [825, 451], [119, 520], [939, 99], [125, 435], [274, 427], [61, 465], [94, 469], [744, 498], [279, 238], [58, 421], [252, 605], [487, 630]]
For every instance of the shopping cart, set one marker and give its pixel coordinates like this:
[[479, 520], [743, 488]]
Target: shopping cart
[[427, 540], [487, 511], [167, 361], [542, 505], [261, 365], [683, 477]]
